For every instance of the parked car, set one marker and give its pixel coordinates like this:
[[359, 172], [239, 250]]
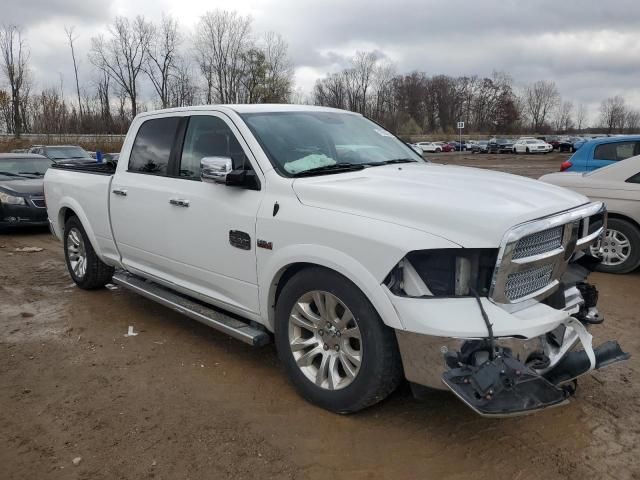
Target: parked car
[[430, 147], [480, 147], [62, 153], [308, 225], [600, 152], [567, 144], [446, 147], [618, 185], [458, 146], [22, 189], [580, 141], [416, 148], [531, 145], [500, 145]]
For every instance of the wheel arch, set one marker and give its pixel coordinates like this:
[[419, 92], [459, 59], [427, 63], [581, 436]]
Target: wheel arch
[[626, 218], [68, 208], [278, 273]]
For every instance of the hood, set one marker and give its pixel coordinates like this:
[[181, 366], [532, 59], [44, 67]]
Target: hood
[[24, 186], [468, 206]]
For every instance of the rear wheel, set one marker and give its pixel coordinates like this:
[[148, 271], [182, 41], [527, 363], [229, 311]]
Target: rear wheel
[[620, 248], [528, 151], [332, 343], [85, 268]]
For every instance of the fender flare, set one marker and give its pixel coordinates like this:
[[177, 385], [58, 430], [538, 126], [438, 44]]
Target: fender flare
[[271, 271], [73, 205]]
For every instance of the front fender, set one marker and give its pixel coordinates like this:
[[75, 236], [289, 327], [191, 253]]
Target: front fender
[[274, 264]]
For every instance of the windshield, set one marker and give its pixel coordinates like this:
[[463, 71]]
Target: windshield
[[24, 166], [60, 153], [296, 142]]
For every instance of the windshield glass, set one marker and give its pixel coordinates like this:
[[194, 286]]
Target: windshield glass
[[59, 153], [20, 166], [296, 142]]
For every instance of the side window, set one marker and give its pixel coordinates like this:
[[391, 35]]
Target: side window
[[634, 179], [152, 146], [615, 151], [209, 136]]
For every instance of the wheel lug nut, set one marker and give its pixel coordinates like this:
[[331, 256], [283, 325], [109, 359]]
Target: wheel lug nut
[[325, 346], [338, 333], [321, 332], [337, 348], [328, 324]]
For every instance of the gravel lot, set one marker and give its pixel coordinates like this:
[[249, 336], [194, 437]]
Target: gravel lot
[[182, 401]]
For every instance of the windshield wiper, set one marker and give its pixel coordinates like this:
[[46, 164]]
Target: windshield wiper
[[335, 168], [392, 161], [9, 174], [30, 173]]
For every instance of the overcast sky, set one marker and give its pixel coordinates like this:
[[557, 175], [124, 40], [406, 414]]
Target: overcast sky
[[590, 48]]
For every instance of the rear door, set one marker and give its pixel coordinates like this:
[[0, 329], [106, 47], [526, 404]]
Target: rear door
[[608, 153], [138, 201]]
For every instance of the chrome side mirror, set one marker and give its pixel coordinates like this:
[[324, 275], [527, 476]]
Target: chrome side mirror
[[215, 169]]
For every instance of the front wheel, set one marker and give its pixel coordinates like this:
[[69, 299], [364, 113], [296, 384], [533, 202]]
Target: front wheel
[[334, 347], [620, 248], [85, 268]]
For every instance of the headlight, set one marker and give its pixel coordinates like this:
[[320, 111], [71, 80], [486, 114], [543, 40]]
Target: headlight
[[444, 272], [11, 200]]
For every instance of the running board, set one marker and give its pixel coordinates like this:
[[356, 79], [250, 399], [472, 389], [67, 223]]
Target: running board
[[210, 316]]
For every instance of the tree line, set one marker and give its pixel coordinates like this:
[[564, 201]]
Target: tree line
[[223, 61]]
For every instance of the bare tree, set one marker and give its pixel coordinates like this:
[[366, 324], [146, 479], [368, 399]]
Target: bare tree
[[123, 55], [612, 113], [278, 69], [581, 116], [71, 39], [563, 117], [632, 121], [162, 57], [222, 39], [540, 99], [15, 59]]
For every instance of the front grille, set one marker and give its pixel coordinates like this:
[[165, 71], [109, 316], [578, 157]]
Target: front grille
[[523, 283], [39, 202], [539, 242]]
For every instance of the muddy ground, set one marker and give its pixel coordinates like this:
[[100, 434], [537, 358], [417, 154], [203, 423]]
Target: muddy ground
[[181, 401]]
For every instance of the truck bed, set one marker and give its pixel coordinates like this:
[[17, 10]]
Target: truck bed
[[106, 168]]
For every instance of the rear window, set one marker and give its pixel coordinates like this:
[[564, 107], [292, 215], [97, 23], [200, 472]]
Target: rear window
[[616, 151], [152, 146]]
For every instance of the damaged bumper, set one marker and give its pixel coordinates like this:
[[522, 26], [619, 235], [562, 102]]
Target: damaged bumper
[[515, 375]]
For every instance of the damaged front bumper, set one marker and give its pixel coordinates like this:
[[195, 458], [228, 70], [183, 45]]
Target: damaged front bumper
[[515, 375]]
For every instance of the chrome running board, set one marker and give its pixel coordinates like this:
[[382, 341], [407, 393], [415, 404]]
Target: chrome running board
[[206, 314]]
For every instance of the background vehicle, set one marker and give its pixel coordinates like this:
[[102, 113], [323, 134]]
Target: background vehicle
[[500, 145], [618, 185], [308, 225], [445, 146], [60, 153], [567, 144], [480, 147], [430, 147], [22, 189], [600, 152], [531, 145]]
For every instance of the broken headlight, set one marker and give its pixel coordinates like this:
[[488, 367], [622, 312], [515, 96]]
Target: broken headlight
[[443, 272]]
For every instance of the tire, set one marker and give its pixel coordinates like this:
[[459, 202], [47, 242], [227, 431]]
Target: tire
[[515, 151], [438, 150], [84, 266], [528, 151], [632, 234], [380, 368]]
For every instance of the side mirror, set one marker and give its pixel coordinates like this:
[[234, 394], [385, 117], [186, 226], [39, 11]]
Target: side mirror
[[215, 169]]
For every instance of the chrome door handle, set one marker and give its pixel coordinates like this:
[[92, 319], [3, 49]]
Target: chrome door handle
[[179, 202], [119, 191]]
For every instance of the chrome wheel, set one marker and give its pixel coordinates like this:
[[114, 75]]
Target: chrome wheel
[[76, 253], [325, 340], [614, 249]]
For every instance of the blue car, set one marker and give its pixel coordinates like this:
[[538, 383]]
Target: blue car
[[600, 152]]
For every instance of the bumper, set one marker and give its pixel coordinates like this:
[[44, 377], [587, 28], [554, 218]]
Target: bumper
[[532, 364], [22, 215]]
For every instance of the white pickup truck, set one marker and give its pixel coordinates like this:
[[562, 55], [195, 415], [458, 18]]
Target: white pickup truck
[[320, 230]]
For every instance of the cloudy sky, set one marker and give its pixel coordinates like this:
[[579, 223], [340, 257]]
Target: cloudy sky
[[590, 48]]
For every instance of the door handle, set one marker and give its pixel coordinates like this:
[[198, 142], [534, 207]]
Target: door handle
[[119, 191], [179, 202]]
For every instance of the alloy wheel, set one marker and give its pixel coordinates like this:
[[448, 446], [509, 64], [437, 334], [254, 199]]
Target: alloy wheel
[[76, 253], [325, 340], [614, 249]]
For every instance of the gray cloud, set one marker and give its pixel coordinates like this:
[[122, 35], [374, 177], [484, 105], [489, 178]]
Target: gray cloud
[[589, 48]]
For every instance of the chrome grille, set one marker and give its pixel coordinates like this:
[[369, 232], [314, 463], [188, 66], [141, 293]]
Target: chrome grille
[[524, 283], [539, 242]]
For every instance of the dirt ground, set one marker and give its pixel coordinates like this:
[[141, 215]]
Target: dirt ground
[[181, 401]]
